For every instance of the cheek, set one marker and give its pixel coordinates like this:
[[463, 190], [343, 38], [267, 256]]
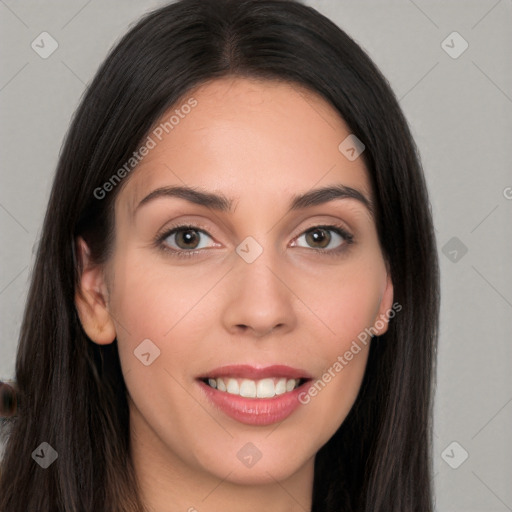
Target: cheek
[[153, 297], [346, 306], [345, 299], [167, 305]]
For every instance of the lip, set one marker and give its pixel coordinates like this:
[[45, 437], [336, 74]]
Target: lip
[[255, 411], [245, 371]]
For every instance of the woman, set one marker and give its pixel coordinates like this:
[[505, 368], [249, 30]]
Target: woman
[[235, 296]]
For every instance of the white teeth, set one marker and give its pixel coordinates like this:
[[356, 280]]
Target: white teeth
[[248, 388], [281, 386], [233, 387], [264, 388]]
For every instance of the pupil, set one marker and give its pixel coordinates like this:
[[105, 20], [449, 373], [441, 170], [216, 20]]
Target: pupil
[[317, 238], [189, 236]]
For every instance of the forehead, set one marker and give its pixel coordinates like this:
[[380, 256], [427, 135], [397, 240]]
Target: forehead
[[249, 139]]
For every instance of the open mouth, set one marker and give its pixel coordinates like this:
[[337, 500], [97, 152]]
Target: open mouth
[[255, 395], [268, 387]]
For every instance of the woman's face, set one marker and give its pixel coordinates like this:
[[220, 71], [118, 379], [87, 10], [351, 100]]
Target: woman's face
[[253, 295]]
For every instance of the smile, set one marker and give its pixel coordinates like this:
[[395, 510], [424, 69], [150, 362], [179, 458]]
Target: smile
[[264, 388], [254, 396]]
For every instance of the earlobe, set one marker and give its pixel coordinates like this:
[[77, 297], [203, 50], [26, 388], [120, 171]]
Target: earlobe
[[380, 325], [91, 299]]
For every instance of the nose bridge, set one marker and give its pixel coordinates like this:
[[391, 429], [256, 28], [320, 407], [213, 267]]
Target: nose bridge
[[259, 262], [258, 298]]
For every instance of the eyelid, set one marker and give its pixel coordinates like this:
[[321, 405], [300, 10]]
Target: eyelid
[[170, 230], [347, 238], [337, 227], [328, 224]]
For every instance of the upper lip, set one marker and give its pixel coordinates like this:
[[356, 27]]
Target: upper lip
[[255, 373]]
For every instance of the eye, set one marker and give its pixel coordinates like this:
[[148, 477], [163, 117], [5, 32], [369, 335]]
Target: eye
[[321, 239], [184, 238]]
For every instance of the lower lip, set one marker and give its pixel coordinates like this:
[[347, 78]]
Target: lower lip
[[254, 411]]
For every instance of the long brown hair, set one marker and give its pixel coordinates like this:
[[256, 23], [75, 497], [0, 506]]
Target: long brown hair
[[70, 391]]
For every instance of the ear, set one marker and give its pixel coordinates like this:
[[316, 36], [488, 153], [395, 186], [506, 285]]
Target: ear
[[91, 298], [380, 325]]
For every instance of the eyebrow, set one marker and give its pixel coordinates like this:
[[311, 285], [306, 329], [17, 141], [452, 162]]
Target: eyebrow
[[221, 203]]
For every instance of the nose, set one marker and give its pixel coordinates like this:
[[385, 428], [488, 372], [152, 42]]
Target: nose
[[259, 298]]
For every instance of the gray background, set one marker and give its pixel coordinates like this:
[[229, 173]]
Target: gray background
[[460, 111]]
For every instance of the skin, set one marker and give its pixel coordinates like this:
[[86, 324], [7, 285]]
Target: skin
[[258, 142]]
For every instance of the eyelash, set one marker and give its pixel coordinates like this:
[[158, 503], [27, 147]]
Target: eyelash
[[159, 241]]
